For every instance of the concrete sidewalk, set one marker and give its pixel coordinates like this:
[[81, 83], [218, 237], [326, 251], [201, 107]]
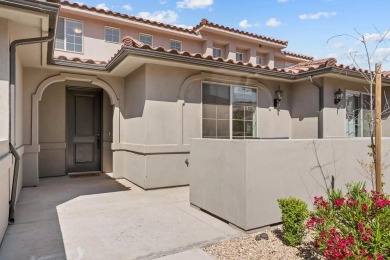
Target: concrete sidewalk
[[101, 218]]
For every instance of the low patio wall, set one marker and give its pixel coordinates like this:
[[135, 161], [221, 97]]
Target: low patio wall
[[241, 180]]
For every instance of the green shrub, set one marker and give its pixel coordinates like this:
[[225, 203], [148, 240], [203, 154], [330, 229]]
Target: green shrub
[[294, 215]]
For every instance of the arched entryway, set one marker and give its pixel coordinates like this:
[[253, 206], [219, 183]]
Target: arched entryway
[[50, 127]]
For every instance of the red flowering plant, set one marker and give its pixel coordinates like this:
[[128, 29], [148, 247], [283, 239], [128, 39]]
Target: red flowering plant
[[354, 226]]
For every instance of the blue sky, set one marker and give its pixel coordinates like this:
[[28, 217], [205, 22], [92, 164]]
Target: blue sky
[[306, 24]]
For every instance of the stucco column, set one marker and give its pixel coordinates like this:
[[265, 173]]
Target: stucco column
[[115, 125], [270, 59], [231, 51], [208, 47], [252, 56]]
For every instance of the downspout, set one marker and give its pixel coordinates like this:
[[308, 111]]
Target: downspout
[[320, 101], [12, 64]]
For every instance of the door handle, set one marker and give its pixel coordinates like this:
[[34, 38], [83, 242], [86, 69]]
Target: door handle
[[98, 141]]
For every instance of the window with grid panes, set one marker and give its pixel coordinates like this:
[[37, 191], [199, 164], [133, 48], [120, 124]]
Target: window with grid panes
[[112, 34], [69, 35], [176, 45], [228, 111], [146, 39]]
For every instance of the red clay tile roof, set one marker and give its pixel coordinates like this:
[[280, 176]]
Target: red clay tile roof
[[124, 16], [206, 23], [311, 65], [297, 55], [129, 42], [79, 60]]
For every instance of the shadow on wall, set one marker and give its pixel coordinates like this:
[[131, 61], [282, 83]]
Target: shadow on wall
[[38, 231], [327, 174]]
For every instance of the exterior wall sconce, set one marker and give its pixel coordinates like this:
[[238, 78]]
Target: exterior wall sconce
[[338, 96], [278, 97]]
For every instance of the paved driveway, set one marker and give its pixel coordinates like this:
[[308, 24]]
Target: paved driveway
[[101, 218]]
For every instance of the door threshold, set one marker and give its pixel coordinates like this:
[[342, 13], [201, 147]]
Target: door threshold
[[71, 174]]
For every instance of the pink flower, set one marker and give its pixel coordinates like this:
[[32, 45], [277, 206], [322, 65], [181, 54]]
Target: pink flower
[[379, 257], [339, 202], [364, 207], [361, 227]]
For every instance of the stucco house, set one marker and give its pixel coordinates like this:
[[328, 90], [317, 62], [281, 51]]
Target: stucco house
[[89, 90]]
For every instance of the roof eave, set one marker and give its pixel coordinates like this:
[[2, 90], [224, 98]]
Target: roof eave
[[130, 51]]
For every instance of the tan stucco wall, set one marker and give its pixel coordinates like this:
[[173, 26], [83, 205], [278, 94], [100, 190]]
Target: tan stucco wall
[[52, 130], [4, 77], [5, 160], [304, 110], [240, 181], [94, 30], [153, 122], [52, 122], [133, 120], [334, 115]]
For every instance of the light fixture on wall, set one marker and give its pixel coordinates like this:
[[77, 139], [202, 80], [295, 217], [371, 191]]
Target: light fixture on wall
[[338, 96], [278, 97]]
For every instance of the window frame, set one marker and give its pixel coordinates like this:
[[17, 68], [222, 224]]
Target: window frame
[[288, 64], [361, 94], [105, 34], [242, 56], [145, 34], [82, 36], [261, 60], [181, 44], [231, 87], [220, 50]]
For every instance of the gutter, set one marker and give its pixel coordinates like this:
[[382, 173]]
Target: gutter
[[321, 94], [320, 101], [52, 11]]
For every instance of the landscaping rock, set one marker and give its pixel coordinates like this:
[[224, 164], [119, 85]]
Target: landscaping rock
[[249, 248], [262, 236]]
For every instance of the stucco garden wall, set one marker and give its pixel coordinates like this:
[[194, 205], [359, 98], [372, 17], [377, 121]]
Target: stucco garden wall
[[240, 181]]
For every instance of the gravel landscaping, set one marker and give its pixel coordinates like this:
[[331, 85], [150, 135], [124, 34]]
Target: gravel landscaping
[[256, 246]]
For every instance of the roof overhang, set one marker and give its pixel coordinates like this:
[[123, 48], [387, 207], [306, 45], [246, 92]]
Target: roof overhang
[[129, 59], [244, 37], [32, 18]]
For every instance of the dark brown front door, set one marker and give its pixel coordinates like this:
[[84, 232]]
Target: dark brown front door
[[83, 130]]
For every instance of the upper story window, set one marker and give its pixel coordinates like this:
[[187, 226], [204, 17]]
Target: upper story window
[[239, 56], [357, 106], [146, 39], [111, 34], [259, 60], [176, 45], [228, 111], [217, 53], [69, 36], [288, 64]]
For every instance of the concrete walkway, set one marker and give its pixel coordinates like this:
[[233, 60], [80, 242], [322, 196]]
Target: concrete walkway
[[101, 218]]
